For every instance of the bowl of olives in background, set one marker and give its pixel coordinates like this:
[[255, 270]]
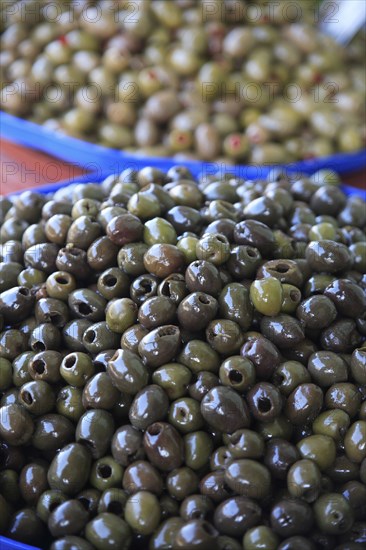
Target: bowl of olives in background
[[230, 82]]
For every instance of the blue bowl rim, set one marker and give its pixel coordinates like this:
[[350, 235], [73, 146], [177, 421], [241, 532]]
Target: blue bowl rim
[[97, 156]]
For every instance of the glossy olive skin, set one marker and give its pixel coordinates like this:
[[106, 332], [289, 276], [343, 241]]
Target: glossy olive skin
[[198, 446], [256, 234], [243, 443], [224, 410], [358, 365], [149, 405], [248, 478], [10, 275], [120, 314], [235, 515], [319, 448], [44, 337], [51, 432], [214, 486], [16, 426], [341, 336], [142, 512], [237, 372], [264, 401], [235, 305], [67, 519], [25, 526], [354, 493], [127, 372], [160, 345], [142, 476], [69, 403], [71, 541], [184, 218], [243, 261], [12, 343], [327, 368], [132, 336], [279, 457], [76, 369], [327, 256], [59, 285], [326, 518], [73, 261], [165, 533], [156, 311], [101, 254], [182, 482], [286, 271], [204, 382], [50, 310], [334, 423], [98, 337], [47, 501], [317, 312], [113, 283], [224, 336], [195, 533], [112, 500], [344, 396], [291, 517], [163, 446], [267, 295], [127, 445], [90, 428], [304, 403], [197, 310], [37, 397], [99, 392], [263, 354], [69, 470], [174, 378], [202, 276], [163, 259], [355, 441], [42, 256], [304, 480], [124, 229], [108, 531], [87, 304], [283, 330], [16, 304], [105, 473], [347, 297], [32, 482], [195, 506], [173, 287], [260, 536], [198, 356]]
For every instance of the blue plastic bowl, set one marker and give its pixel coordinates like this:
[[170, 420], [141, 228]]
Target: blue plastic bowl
[[8, 544], [97, 177], [92, 157]]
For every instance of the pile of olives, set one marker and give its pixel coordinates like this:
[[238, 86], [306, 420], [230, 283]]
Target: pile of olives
[[236, 81], [183, 364]]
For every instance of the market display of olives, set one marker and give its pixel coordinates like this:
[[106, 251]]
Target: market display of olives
[[240, 81], [181, 367]]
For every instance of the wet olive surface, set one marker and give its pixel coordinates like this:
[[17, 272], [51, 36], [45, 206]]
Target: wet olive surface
[[183, 364]]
